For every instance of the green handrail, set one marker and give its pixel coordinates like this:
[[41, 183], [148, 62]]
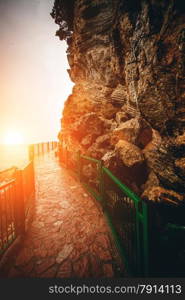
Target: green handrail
[[122, 186], [141, 218], [90, 158], [141, 214]]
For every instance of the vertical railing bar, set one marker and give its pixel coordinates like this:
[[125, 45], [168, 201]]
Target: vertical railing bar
[[145, 236], [13, 214], [42, 148], [34, 153], [129, 209], [6, 227], [3, 219], [138, 246], [5, 203], [15, 207], [9, 213], [13, 201], [20, 203], [1, 226], [11, 195], [32, 177], [134, 229]]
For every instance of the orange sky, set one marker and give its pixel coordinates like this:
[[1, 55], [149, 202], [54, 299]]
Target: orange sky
[[34, 82]]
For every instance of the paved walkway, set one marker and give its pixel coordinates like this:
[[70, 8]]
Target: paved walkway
[[68, 236]]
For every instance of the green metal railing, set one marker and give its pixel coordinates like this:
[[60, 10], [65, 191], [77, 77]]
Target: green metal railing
[[126, 213], [149, 242], [90, 175]]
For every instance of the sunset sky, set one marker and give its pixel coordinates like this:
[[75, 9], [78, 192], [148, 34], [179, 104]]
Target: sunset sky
[[34, 82]]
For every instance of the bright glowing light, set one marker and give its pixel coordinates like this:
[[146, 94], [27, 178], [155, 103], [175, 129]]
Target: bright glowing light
[[13, 138]]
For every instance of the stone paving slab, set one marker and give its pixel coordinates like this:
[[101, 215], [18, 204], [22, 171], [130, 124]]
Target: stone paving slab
[[68, 236]]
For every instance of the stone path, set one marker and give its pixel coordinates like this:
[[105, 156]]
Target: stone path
[[68, 236]]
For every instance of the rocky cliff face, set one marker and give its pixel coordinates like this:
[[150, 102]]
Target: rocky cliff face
[[127, 60]]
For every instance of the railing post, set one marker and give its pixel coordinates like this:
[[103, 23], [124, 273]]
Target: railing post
[[31, 152], [145, 238], [48, 146], [32, 175], [142, 238], [138, 223], [19, 204], [38, 147], [42, 148]]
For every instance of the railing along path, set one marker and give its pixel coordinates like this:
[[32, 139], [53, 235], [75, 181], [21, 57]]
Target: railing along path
[[132, 220], [17, 187]]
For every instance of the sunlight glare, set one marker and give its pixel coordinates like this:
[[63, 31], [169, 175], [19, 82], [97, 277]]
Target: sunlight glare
[[13, 138]]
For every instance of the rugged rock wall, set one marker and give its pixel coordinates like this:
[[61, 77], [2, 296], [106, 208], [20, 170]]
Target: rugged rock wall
[[127, 60]]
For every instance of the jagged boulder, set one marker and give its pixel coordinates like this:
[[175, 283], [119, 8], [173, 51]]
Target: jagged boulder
[[135, 131], [110, 160], [129, 154], [88, 124], [99, 147], [127, 131]]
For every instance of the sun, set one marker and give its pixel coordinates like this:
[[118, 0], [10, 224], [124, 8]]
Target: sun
[[13, 138]]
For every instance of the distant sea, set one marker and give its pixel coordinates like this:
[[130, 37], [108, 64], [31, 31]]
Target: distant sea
[[13, 155]]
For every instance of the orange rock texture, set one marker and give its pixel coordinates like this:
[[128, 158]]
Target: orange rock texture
[[127, 107]]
